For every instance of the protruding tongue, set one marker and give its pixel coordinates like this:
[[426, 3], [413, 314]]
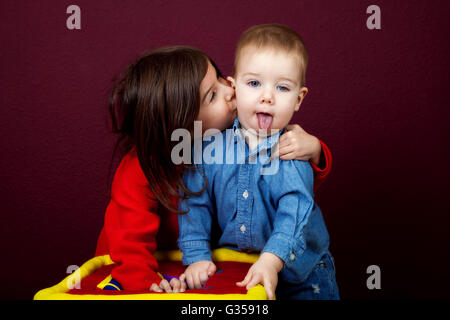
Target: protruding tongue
[[264, 120]]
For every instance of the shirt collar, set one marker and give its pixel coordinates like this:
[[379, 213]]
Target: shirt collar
[[266, 144]]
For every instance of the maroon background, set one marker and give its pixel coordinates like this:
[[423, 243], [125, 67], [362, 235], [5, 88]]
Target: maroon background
[[378, 98]]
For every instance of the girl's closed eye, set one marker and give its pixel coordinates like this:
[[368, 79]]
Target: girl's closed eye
[[213, 95]]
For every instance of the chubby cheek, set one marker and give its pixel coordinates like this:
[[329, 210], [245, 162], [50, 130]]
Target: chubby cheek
[[283, 117], [247, 119], [246, 101]]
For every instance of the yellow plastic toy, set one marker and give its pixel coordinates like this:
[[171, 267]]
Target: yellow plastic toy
[[88, 282]]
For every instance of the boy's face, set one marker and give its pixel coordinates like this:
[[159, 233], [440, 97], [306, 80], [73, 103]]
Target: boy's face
[[268, 89]]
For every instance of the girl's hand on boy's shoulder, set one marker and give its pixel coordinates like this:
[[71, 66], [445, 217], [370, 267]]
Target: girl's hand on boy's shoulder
[[297, 144], [198, 273]]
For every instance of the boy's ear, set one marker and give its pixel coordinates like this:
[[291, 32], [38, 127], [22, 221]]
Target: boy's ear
[[301, 95], [232, 82]]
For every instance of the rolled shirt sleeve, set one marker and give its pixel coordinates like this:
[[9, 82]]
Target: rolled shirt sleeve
[[295, 212]]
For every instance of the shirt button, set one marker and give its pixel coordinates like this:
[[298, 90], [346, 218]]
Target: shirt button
[[245, 194], [243, 228], [292, 257]]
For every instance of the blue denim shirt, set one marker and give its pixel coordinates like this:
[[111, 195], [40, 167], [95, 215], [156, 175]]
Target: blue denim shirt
[[256, 210]]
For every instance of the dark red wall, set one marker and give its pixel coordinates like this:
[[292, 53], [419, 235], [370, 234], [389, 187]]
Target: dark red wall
[[378, 98]]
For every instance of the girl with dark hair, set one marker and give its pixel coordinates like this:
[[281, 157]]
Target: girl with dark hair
[[162, 91]]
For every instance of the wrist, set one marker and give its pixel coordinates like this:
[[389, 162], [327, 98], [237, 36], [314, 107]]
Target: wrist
[[273, 260], [315, 158]]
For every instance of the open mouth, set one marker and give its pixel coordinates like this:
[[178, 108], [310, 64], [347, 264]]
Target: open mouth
[[264, 120]]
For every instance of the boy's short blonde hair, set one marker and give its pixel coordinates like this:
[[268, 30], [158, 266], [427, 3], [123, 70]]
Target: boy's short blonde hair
[[273, 36]]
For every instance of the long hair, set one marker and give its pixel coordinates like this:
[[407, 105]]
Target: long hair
[[157, 94]]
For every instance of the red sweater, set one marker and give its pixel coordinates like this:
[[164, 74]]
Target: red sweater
[[136, 224]]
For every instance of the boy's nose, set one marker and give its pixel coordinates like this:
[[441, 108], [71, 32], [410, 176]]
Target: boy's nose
[[267, 97]]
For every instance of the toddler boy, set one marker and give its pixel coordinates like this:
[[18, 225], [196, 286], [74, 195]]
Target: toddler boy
[[257, 209]]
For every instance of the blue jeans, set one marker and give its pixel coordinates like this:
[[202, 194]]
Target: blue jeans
[[320, 285]]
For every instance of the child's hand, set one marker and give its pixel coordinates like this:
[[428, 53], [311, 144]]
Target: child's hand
[[264, 271], [175, 285], [297, 144], [198, 273]]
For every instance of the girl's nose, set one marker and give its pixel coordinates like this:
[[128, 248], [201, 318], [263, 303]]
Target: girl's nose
[[229, 97], [228, 90], [229, 93]]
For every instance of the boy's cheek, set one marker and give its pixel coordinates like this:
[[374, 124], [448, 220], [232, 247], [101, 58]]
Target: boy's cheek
[[243, 104], [245, 95]]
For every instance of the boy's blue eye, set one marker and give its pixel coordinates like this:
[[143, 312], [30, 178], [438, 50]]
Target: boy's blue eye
[[283, 88], [253, 83]]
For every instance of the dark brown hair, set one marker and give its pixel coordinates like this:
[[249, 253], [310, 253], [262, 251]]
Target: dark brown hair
[[157, 94]]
